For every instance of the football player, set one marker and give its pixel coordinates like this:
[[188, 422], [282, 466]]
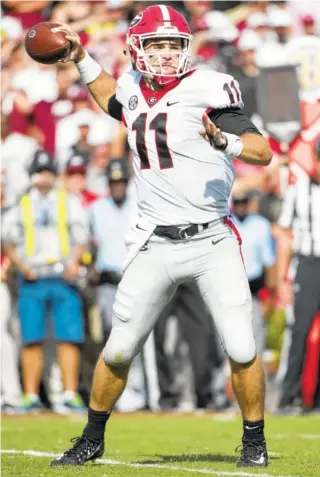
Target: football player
[[184, 232]]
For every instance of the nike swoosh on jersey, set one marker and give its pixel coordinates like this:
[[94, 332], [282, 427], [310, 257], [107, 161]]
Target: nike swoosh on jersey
[[214, 242], [171, 104], [140, 228]]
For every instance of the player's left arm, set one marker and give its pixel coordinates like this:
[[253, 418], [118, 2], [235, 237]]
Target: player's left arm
[[230, 130]]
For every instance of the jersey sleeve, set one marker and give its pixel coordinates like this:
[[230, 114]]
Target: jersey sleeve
[[232, 120], [115, 108], [220, 90], [126, 86]]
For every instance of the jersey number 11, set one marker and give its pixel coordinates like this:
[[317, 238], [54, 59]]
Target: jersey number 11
[[159, 125]]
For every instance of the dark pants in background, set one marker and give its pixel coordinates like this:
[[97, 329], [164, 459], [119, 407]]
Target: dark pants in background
[[306, 305], [198, 331]]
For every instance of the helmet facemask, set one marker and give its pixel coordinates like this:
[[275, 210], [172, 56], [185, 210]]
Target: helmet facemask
[[152, 64]]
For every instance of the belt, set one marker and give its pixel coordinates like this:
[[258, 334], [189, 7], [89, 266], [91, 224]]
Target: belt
[[180, 232]]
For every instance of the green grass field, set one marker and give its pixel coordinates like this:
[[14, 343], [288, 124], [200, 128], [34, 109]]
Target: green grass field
[[160, 445]]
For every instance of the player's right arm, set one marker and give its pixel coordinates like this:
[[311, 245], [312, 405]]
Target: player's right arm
[[101, 85]]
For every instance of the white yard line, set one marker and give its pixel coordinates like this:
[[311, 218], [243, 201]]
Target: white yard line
[[294, 436], [158, 466]]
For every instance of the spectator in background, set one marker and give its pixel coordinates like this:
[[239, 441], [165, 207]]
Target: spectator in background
[[107, 36], [82, 129], [258, 256], [281, 21], [301, 208], [10, 382], [260, 23], [17, 152], [48, 111], [240, 14], [75, 179], [45, 236], [247, 71], [197, 11], [96, 179], [11, 34], [40, 99], [308, 24], [212, 47], [75, 13], [28, 13]]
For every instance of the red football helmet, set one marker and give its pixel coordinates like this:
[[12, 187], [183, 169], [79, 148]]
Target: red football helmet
[[159, 21]]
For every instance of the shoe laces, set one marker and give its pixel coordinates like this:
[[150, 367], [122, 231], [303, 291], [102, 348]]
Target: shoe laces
[[249, 446], [80, 447]]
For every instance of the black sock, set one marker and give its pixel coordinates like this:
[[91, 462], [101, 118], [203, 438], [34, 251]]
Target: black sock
[[253, 431], [97, 421]]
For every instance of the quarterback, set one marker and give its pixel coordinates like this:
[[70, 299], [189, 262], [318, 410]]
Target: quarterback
[[184, 126]]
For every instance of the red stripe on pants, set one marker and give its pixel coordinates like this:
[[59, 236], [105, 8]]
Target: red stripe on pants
[[236, 232]]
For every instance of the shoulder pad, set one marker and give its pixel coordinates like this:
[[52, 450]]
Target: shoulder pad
[[216, 90], [126, 84]]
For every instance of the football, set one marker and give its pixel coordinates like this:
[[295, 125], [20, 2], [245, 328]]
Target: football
[[46, 45]]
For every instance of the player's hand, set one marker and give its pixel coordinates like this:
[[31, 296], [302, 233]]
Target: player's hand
[[77, 51], [212, 134]]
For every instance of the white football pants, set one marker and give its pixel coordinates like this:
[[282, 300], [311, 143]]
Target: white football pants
[[213, 260]]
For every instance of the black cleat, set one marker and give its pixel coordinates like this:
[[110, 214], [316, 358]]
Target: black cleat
[[253, 454], [83, 450]]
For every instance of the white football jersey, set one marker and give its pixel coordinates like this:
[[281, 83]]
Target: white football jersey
[[180, 178]]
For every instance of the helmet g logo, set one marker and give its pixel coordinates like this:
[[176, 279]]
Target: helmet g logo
[[137, 19]]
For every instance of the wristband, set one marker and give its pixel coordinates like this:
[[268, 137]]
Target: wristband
[[88, 68], [234, 145]]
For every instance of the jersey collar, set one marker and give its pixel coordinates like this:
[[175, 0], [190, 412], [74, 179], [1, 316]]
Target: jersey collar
[[153, 97]]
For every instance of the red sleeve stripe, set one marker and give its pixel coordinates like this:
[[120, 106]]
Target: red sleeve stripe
[[124, 120]]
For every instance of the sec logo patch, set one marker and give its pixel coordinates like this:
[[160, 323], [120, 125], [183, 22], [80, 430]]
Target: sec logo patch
[[133, 102]]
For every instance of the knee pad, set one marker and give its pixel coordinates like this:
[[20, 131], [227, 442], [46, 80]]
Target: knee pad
[[242, 351], [120, 348]]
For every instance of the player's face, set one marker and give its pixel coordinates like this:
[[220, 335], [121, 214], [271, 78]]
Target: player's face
[[163, 55]]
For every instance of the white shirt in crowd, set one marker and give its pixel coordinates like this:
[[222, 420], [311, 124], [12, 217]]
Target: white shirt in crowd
[[109, 224], [17, 152]]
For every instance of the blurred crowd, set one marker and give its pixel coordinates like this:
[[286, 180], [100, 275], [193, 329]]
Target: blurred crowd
[[68, 197]]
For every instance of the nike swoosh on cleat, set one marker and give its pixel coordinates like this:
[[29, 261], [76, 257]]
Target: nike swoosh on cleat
[[259, 461]]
